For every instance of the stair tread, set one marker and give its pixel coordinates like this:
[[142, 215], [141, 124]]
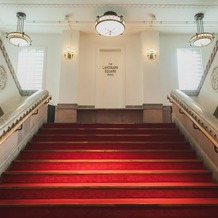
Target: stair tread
[[109, 134], [150, 182], [108, 142], [197, 171], [114, 202], [109, 125], [111, 150], [106, 160], [98, 127], [111, 185]]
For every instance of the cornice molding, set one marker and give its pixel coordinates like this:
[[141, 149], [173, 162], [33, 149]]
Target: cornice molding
[[178, 6]]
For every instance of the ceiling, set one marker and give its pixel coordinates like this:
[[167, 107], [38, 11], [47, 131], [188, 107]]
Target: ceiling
[[55, 16]]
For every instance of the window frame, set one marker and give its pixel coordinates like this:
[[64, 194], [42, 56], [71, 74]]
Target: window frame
[[190, 91], [43, 82]]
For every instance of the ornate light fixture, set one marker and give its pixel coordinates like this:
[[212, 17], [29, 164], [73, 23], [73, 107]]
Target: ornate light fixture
[[110, 24], [19, 38], [201, 38], [151, 54], [68, 54]]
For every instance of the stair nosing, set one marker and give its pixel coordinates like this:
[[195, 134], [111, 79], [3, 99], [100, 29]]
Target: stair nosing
[[113, 202], [173, 185], [111, 160], [108, 142], [111, 150], [104, 172]]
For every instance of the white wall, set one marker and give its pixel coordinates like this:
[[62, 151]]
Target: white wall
[[143, 79], [151, 69], [168, 61], [52, 43], [208, 97], [89, 47], [69, 69], [10, 95]]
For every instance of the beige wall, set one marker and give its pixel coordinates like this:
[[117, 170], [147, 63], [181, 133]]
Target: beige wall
[[88, 57], [9, 96], [208, 97], [146, 82]]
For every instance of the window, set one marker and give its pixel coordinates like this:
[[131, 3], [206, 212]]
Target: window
[[189, 68], [31, 68]]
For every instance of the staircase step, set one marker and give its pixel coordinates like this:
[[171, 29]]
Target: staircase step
[[135, 209], [106, 131], [108, 171], [113, 202], [106, 176], [111, 185], [108, 138], [106, 154], [109, 125], [106, 192], [106, 145], [67, 165]]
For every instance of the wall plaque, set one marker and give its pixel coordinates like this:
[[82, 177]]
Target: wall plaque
[[110, 69]]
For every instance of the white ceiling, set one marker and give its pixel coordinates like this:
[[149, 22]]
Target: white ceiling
[[167, 16]]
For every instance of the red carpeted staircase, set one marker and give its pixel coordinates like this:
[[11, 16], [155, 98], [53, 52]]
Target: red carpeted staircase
[[108, 171]]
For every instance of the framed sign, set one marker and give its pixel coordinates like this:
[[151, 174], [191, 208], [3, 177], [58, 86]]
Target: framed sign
[[109, 79]]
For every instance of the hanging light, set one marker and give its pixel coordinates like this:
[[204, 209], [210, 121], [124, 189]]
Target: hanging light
[[19, 38], [110, 24], [201, 38]]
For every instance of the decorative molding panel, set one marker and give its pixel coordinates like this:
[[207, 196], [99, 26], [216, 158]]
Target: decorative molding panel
[[214, 79], [3, 78]]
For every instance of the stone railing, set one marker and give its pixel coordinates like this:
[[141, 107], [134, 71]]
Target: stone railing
[[200, 117], [10, 121]]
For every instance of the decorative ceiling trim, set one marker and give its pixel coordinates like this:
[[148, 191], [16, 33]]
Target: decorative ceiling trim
[[3, 77], [208, 66], [214, 79], [179, 6], [142, 22], [9, 64]]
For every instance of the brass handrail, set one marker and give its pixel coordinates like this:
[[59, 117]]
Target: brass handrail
[[204, 121], [13, 121]]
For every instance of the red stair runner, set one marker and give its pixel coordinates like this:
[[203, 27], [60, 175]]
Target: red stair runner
[[108, 171]]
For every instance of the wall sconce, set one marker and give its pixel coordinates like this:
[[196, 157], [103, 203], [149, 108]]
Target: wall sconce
[[151, 54], [68, 54]]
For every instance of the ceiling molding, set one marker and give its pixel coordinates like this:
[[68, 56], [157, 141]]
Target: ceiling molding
[[177, 6]]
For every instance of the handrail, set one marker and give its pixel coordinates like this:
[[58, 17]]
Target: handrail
[[200, 117], [12, 120]]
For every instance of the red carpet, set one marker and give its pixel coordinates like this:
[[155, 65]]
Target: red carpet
[[108, 171]]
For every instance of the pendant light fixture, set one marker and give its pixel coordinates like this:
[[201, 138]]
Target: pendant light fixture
[[19, 38], [110, 24], [201, 38]]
